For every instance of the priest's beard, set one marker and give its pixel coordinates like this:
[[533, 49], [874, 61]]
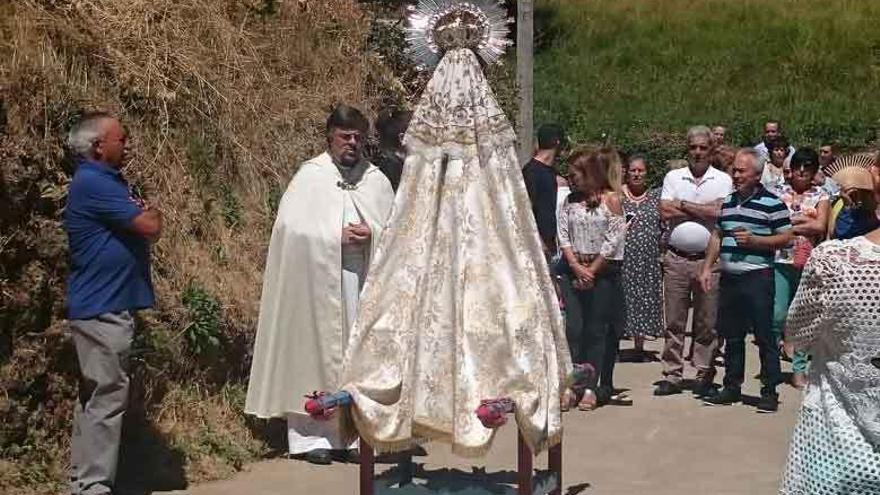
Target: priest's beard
[[352, 174]]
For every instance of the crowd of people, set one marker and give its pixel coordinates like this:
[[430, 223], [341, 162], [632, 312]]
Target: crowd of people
[[643, 262], [732, 242], [726, 243]]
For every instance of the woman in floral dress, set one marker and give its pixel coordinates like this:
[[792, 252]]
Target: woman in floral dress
[[642, 276]]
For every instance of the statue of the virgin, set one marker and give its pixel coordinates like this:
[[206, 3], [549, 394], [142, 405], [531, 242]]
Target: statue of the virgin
[[458, 305]]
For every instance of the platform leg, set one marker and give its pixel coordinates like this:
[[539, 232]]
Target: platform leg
[[555, 465], [367, 464], [406, 470], [524, 466]]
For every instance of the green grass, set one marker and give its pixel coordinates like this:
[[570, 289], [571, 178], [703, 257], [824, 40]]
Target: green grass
[[642, 71]]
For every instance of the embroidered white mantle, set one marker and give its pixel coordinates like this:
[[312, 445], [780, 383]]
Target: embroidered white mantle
[[458, 305]]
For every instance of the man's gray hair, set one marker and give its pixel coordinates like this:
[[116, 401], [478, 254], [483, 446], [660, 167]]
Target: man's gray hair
[[757, 158], [699, 131], [84, 134]]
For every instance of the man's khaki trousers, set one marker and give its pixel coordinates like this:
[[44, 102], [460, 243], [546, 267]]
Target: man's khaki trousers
[[681, 286], [103, 345]]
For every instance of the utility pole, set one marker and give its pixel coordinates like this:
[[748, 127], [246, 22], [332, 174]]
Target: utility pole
[[525, 65]]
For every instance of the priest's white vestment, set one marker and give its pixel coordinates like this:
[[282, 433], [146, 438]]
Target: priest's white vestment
[[310, 289]]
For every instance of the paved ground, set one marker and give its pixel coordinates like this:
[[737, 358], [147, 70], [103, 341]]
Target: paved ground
[[659, 446]]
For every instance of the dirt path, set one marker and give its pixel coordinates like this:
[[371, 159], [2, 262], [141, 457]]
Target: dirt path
[[659, 446]]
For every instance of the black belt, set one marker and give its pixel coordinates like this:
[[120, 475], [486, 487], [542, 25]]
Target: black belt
[[686, 255], [764, 272]]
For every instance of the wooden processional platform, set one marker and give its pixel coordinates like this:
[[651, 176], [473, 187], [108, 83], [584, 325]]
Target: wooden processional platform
[[528, 482]]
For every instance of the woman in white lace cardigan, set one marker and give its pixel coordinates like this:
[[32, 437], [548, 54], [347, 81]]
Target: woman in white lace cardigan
[[835, 317]]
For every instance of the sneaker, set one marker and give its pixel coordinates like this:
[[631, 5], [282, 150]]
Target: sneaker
[[725, 397], [704, 389], [768, 403], [667, 388]]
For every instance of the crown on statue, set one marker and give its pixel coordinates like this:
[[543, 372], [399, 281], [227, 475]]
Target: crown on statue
[[437, 26]]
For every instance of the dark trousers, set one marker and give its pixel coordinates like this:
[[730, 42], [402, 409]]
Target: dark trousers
[[746, 304], [594, 324]]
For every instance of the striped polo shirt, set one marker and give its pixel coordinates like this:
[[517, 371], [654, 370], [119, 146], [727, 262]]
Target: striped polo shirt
[[763, 214]]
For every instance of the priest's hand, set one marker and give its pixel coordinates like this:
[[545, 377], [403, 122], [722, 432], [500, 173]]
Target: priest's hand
[[356, 233]]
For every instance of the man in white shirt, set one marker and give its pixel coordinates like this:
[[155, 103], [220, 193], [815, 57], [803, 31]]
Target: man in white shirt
[[690, 203], [772, 129]]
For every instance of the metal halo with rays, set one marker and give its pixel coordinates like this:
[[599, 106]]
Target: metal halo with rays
[[857, 160], [436, 26]]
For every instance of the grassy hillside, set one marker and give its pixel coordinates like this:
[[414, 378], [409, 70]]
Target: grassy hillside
[[642, 71]]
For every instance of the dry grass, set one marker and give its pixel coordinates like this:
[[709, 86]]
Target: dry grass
[[222, 99], [251, 92]]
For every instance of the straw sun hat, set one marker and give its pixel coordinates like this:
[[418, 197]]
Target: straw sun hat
[[853, 171]]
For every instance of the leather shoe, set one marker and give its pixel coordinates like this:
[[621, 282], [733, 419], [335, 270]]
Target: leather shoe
[[704, 389], [349, 456], [319, 456], [726, 397], [667, 388], [768, 403]]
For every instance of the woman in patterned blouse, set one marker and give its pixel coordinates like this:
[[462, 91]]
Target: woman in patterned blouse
[[808, 206], [591, 233]]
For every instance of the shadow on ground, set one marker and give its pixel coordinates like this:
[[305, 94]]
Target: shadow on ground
[[458, 482], [634, 356], [147, 463]]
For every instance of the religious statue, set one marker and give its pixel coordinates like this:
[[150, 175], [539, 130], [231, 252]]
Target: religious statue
[[458, 305]]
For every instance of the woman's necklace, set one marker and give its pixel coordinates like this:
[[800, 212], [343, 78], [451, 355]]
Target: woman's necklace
[[635, 199]]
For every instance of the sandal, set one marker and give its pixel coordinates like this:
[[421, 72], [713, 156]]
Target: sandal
[[588, 402]]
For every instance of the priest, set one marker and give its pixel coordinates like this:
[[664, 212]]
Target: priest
[[327, 227]]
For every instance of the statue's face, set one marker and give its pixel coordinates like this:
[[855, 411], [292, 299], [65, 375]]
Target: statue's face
[[459, 29]]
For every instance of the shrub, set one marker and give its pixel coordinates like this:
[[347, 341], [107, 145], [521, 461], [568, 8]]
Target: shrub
[[203, 332], [642, 72]]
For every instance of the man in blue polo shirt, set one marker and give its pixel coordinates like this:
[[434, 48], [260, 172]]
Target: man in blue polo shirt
[[109, 232], [753, 224]]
